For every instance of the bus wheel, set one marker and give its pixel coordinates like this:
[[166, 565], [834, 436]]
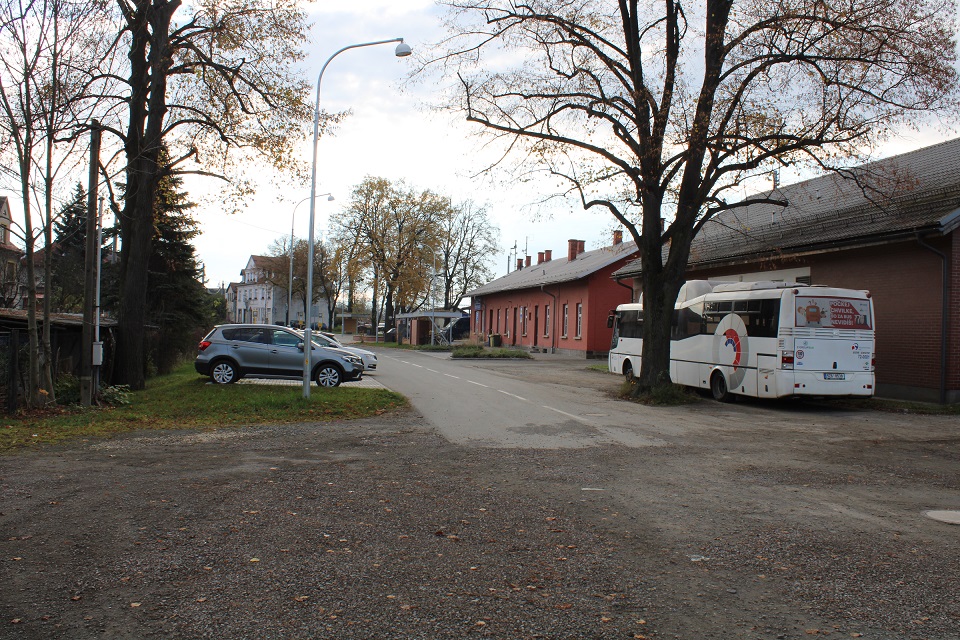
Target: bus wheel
[[718, 387], [628, 372]]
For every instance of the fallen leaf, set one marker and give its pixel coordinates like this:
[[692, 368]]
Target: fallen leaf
[[75, 598], [201, 599], [135, 604], [254, 559], [301, 598]]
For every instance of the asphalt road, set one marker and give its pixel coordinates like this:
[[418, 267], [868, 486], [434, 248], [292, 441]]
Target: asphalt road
[[482, 404]]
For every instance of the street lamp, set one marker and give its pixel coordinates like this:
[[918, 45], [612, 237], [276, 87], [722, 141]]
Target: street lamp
[[330, 198], [403, 50]]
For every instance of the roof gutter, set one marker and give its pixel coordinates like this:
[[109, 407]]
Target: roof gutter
[[944, 318], [626, 286]]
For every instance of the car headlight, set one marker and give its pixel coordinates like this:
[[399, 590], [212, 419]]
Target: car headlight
[[353, 359]]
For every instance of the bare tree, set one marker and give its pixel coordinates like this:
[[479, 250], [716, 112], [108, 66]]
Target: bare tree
[[47, 90], [653, 110], [465, 239]]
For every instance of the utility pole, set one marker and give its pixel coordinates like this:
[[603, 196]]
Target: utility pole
[[89, 271]]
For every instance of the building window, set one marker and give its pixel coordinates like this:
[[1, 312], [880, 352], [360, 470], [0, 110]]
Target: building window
[[546, 321], [579, 319], [523, 320], [565, 321]]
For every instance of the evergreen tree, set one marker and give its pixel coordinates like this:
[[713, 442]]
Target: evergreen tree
[[177, 301], [178, 305], [66, 286]]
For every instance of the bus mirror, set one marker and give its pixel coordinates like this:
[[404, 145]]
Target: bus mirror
[[610, 322]]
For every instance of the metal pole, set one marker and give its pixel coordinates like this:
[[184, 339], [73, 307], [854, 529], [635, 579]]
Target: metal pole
[[290, 281], [86, 349], [307, 345], [98, 346]]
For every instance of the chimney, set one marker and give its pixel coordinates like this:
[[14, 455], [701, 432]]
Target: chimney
[[581, 245], [548, 255], [617, 237], [528, 261], [539, 257], [571, 250], [519, 264]]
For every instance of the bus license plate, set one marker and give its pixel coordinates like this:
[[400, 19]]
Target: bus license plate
[[834, 376]]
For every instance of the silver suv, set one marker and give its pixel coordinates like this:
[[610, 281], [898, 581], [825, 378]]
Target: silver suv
[[232, 351]]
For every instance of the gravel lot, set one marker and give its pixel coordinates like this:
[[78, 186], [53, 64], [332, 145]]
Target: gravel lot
[[798, 521]]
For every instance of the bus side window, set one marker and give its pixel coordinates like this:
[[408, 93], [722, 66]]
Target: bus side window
[[686, 322], [765, 321]]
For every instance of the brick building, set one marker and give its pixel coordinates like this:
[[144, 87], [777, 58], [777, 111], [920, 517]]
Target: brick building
[[890, 228], [555, 305]]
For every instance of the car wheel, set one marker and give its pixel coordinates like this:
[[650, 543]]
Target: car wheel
[[718, 387], [329, 375], [628, 372], [224, 372]]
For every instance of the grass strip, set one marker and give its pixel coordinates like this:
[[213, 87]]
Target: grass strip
[[185, 400]]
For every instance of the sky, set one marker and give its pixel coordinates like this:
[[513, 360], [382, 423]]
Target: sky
[[392, 134]]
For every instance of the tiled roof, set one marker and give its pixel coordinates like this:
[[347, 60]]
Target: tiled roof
[[900, 196], [558, 270], [269, 262]]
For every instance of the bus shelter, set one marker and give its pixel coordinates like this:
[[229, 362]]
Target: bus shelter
[[425, 327]]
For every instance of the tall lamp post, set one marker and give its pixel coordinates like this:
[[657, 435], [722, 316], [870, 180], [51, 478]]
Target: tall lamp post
[[403, 50]]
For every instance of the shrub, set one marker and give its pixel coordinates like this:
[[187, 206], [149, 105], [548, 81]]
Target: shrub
[[477, 351]]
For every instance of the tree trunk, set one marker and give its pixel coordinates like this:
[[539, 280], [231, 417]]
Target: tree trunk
[[149, 62]]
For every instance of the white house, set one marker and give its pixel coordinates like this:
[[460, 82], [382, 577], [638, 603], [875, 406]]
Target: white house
[[257, 300]]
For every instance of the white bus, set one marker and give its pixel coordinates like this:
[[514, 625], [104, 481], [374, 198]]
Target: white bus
[[760, 339]]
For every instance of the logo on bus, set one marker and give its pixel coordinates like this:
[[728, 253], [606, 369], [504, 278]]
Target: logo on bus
[[730, 348]]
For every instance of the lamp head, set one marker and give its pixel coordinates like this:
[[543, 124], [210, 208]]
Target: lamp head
[[403, 50]]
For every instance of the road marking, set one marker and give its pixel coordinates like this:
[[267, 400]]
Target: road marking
[[415, 365], [449, 375], [432, 370], [511, 395], [569, 415], [478, 384]]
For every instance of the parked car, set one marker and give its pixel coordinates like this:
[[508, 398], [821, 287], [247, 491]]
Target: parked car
[[231, 351], [457, 329], [328, 340]]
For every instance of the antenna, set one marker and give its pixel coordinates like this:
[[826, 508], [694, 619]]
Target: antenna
[[776, 178]]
